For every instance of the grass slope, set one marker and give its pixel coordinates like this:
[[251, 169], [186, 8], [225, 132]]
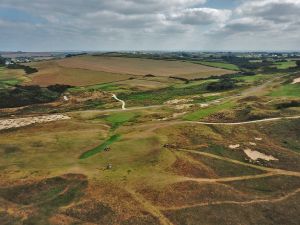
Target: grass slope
[[101, 147], [285, 65], [288, 90], [118, 119], [202, 113]]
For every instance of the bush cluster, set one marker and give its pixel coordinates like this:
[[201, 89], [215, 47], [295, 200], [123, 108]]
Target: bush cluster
[[27, 95]]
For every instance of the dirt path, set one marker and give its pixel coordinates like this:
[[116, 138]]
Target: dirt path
[[228, 179], [235, 202], [149, 207], [248, 122], [272, 170], [123, 103]]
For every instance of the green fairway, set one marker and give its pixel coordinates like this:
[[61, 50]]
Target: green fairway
[[118, 119], [252, 79], [285, 65], [101, 147], [202, 113], [101, 87], [288, 90], [222, 65]]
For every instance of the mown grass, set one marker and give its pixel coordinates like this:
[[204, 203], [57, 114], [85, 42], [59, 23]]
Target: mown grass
[[101, 147], [221, 65], [252, 79], [118, 119], [202, 113], [288, 90], [285, 65]]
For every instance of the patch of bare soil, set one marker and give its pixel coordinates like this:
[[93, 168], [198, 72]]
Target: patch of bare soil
[[296, 80], [26, 121], [255, 155]]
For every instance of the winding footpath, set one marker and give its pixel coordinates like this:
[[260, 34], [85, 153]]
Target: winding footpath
[[247, 122], [123, 103]]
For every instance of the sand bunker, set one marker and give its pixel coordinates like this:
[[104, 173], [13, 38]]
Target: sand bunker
[[211, 94], [177, 101], [203, 105], [22, 122], [175, 115], [183, 106], [258, 139], [297, 80], [234, 146], [255, 155]]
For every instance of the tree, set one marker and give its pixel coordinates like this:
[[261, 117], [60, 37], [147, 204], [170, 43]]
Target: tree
[[2, 61], [298, 63]]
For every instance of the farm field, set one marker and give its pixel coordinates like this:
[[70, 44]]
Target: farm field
[[222, 65], [91, 70], [50, 72], [137, 66]]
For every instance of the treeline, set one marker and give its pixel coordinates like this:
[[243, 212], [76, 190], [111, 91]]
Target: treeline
[[27, 95], [27, 69], [2, 61], [73, 55]]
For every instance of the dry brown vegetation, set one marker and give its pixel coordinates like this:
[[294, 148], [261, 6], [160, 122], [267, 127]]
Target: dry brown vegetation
[[138, 66], [50, 72], [89, 70]]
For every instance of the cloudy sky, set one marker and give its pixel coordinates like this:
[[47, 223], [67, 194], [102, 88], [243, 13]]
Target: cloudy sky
[[50, 25]]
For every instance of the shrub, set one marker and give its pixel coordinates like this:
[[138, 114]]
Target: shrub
[[222, 85], [27, 95]]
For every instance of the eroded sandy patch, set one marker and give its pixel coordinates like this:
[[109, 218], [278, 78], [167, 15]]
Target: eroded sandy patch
[[255, 155], [296, 80], [183, 106], [22, 122], [234, 146], [178, 101]]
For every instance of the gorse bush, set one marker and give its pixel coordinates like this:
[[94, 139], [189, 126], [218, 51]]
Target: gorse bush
[[27, 95], [222, 85]]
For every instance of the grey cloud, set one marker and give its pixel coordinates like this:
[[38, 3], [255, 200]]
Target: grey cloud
[[275, 10], [148, 24], [201, 16]]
